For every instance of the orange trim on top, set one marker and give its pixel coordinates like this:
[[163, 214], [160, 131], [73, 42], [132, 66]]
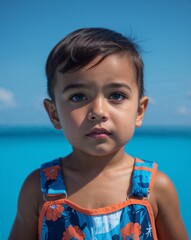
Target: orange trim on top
[[139, 160], [152, 218], [40, 219], [99, 211], [54, 195], [143, 168], [153, 177], [94, 211]]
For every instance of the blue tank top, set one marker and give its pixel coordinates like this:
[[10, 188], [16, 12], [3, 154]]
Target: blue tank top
[[63, 220]]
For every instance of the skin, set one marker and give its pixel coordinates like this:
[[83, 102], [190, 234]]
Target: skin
[[85, 102]]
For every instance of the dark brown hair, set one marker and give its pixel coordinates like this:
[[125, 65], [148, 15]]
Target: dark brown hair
[[82, 46]]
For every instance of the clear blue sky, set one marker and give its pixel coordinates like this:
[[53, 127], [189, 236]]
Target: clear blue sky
[[30, 29]]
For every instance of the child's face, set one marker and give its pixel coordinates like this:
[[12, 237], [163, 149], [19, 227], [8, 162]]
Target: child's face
[[98, 106]]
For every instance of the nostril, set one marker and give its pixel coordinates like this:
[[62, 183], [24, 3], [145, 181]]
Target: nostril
[[104, 118], [93, 116]]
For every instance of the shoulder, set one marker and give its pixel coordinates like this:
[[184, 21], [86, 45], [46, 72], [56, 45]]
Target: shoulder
[[30, 195], [163, 184], [165, 192], [31, 185], [33, 177], [169, 223], [26, 220]]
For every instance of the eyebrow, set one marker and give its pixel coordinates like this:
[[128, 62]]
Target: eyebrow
[[119, 85], [75, 86], [85, 86]]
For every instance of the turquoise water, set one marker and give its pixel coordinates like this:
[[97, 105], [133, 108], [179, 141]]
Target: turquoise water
[[24, 149]]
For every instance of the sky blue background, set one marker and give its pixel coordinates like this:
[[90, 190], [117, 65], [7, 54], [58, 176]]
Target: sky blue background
[[30, 29]]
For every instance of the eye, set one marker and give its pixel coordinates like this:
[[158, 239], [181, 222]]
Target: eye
[[78, 97], [117, 96]]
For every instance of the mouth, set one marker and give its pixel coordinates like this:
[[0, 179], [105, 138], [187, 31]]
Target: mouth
[[98, 133]]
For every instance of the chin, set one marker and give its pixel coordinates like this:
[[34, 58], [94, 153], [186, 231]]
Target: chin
[[101, 152]]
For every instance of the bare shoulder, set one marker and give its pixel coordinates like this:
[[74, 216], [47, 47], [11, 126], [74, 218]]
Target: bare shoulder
[[26, 221], [30, 191], [163, 187], [31, 181], [169, 223]]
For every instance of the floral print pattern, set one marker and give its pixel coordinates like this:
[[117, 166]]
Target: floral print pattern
[[73, 233], [54, 212], [51, 172], [131, 231], [62, 221]]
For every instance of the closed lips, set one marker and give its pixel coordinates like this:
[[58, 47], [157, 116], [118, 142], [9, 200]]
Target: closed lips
[[98, 131]]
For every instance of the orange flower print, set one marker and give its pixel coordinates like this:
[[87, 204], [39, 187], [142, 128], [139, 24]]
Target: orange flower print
[[131, 231], [73, 233], [51, 172], [54, 212]]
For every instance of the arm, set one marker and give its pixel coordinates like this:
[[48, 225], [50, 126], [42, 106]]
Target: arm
[[26, 221], [169, 223]]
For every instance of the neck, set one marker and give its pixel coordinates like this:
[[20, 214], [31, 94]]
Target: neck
[[84, 162]]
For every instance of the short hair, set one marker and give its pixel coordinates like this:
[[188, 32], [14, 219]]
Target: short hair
[[82, 46]]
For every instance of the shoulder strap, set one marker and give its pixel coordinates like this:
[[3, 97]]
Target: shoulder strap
[[51, 178], [143, 178]]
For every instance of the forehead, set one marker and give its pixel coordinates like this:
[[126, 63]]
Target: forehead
[[116, 67]]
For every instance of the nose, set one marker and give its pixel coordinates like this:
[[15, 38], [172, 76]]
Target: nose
[[98, 111], [92, 116]]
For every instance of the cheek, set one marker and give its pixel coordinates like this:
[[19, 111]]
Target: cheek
[[126, 117], [72, 121], [127, 127], [125, 133], [126, 124]]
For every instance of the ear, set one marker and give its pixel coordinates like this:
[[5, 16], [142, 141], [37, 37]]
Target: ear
[[52, 113], [143, 103]]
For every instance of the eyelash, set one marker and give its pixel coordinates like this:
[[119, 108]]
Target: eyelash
[[122, 96], [78, 97]]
